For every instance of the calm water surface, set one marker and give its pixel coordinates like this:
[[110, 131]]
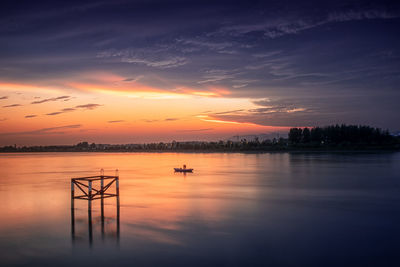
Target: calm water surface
[[234, 210]]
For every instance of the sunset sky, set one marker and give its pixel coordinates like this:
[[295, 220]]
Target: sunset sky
[[144, 71]]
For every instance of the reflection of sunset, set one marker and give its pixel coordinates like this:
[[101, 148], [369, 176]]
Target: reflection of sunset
[[154, 201]]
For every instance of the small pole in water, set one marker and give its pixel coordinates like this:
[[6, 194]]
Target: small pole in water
[[72, 212], [72, 194], [102, 205], [102, 172], [90, 194], [90, 213], [117, 193], [117, 186]]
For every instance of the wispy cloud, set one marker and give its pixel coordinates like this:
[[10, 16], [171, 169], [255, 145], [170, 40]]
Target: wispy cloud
[[195, 130], [171, 119], [229, 112], [45, 130], [54, 113], [131, 79], [273, 112], [117, 121], [3, 97], [211, 76], [267, 54], [222, 121], [150, 121], [278, 28], [169, 62], [276, 106], [68, 109], [146, 57], [361, 15], [3, 119], [194, 44], [88, 106], [63, 98], [30, 116], [65, 110], [13, 105]]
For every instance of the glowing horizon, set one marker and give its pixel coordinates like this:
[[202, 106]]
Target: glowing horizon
[[129, 115], [148, 74]]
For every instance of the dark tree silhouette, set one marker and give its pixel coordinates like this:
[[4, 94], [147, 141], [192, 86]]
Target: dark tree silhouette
[[295, 135], [340, 135], [306, 135]]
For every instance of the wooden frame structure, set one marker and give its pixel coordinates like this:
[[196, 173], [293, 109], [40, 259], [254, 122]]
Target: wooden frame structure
[[85, 185], [99, 193]]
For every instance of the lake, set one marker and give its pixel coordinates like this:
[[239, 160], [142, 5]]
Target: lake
[[277, 209]]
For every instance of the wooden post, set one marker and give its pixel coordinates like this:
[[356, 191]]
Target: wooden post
[[117, 193], [102, 206], [90, 194], [118, 228], [72, 194], [72, 212], [90, 213], [73, 225], [90, 225], [117, 184]]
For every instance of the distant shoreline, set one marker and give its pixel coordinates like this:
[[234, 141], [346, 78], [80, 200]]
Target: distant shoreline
[[255, 151], [334, 138]]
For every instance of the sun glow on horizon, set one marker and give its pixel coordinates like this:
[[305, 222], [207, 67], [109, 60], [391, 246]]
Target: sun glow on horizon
[[111, 112]]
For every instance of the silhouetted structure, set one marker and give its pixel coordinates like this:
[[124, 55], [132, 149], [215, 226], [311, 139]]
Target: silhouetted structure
[[88, 194]]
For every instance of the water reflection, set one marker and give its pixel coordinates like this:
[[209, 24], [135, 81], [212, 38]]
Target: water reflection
[[235, 210], [94, 220]]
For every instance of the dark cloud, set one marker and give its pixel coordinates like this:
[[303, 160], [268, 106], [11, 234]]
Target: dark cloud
[[3, 97], [3, 119], [171, 119], [54, 113], [88, 106], [117, 121], [65, 110], [68, 109], [50, 130], [64, 98], [13, 105], [30, 116]]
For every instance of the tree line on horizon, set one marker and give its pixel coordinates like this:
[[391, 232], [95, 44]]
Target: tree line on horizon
[[340, 134], [343, 136]]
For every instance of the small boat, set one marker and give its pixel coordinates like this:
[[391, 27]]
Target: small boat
[[183, 170]]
